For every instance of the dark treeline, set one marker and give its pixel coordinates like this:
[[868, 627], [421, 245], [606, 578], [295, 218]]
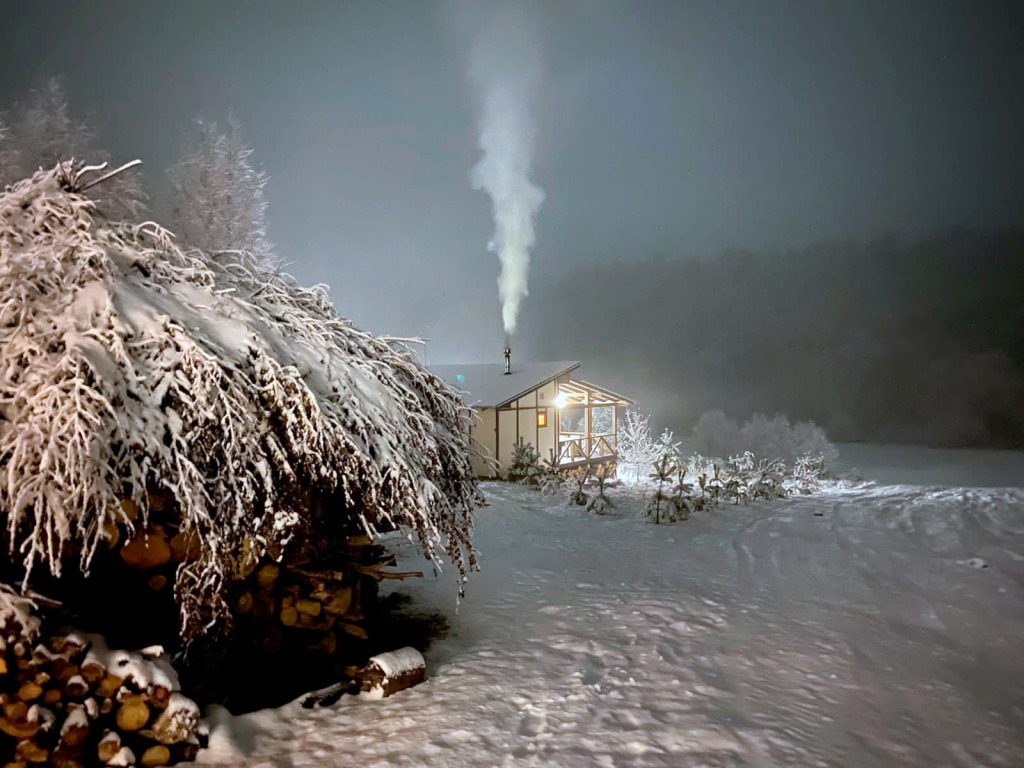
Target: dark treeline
[[918, 341]]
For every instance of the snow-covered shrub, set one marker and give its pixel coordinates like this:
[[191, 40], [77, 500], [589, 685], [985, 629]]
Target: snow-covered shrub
[[810, 440], [766, 437], [220, 200], [769, 437], [769, 480], [636, 450], [807, 475], [525, 466], [129, 367]]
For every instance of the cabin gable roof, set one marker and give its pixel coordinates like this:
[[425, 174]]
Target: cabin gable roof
[[488, 386]]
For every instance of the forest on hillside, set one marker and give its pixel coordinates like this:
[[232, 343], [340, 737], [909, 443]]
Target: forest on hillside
[[893, 339]]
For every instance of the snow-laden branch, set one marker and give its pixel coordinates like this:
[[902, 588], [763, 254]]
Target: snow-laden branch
[[128, 367]]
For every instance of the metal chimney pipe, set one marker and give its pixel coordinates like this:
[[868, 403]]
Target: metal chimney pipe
[[508, 360]]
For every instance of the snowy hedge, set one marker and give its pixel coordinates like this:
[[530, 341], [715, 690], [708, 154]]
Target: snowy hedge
[[129, 367], [766, 437]]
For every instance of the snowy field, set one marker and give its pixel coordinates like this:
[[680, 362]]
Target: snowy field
[[855, 627]]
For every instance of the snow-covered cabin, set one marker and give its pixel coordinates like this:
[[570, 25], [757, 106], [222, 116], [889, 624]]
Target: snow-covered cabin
[[571, 422]]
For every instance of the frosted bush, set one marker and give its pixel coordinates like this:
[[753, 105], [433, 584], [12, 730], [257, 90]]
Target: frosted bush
[[812, 443], [716, 434], [765, 437]]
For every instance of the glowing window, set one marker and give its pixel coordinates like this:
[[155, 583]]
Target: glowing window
[[542, 418]]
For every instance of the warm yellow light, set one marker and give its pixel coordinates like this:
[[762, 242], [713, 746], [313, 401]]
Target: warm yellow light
[[542, 418], [561, 401]]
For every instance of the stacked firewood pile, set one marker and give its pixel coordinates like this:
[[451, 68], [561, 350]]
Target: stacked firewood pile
[[299, 615], [308, 616], [324, 599], [67, 700]]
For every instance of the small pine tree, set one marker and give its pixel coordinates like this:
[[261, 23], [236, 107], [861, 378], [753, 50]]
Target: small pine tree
[[682, 495], [579, 477], [552, 480], [601, 504], [769, 481], [660, 506], [220, 204], [525, 468], [667, 448]]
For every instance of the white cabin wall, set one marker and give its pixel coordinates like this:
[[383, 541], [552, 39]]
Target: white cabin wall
[[483, 434], [507, 422], [546, 435]]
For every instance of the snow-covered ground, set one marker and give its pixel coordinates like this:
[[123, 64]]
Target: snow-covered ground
[[855, 627]]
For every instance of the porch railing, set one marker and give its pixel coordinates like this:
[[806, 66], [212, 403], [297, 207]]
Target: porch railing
[[577, 449]]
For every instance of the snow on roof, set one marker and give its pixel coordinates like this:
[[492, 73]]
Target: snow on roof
[[127, 365], [487, 385]]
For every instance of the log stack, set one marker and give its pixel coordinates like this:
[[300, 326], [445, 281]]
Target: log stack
[[304, 619], [324, 598], [301, 618], [66, 700]]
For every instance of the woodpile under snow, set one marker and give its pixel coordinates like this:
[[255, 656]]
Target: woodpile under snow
[[68, 700], [201, 450]]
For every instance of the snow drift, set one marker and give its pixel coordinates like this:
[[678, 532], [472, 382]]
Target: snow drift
[[130, 368]]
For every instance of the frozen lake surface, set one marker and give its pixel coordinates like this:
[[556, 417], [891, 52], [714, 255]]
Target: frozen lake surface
[[866, 625]]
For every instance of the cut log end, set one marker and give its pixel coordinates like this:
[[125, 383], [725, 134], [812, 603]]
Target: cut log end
[[132, 714]]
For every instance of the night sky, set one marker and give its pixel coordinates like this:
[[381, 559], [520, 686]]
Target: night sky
[[667, 132]]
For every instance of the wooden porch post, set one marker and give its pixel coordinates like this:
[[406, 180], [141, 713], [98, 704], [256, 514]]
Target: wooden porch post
[[615, 429], [557, 413], [586, 422]]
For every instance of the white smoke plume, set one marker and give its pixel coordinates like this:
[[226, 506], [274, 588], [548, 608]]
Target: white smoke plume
[[505, 67]]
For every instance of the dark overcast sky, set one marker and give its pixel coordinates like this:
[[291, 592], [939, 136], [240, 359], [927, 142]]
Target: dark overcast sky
[[680, 128]]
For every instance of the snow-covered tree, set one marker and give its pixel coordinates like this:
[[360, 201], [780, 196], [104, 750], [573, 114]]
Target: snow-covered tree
[[43, 132], [525, 467], [717, 434], [220, 203], [10, 156], [667, 448], [129, 374], [637, 451]]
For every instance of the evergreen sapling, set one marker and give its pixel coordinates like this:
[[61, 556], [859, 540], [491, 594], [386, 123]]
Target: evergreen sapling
[[525, 468], [601, 504]]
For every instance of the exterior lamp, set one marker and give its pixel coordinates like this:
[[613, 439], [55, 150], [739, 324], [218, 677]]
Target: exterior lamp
[[561, 401]]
